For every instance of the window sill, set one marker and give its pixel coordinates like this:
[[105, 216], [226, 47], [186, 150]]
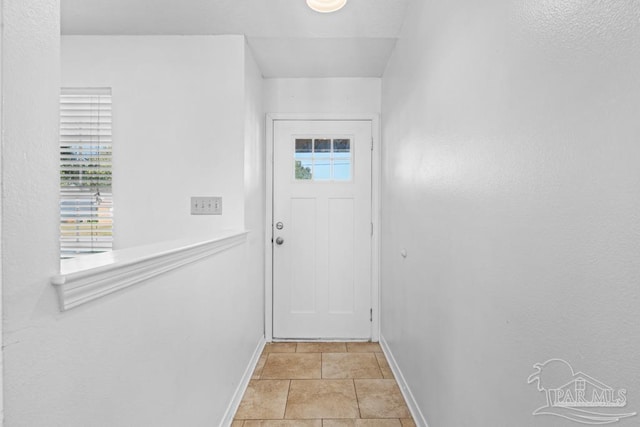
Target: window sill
[[85, 279]]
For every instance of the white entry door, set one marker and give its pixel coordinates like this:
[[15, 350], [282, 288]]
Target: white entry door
[[322, 229]]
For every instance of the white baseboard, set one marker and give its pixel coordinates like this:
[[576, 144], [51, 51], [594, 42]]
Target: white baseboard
[[418, 417], [242, 387]]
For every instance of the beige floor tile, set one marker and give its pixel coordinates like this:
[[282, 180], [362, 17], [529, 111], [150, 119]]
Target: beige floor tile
[[321, 347], [384, 366], [283, 423], [264, 399], [339, 423], [408, 422], [378, 423], [237, 423], [259, 367], [363, 347], [380, 399], [362, 423], [292, 366], [280, 347], [322, 399], [350, 365]]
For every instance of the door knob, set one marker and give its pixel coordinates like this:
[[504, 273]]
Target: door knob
[[279, 240]]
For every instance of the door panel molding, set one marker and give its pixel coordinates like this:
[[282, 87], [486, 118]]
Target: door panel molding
[[374, 119]]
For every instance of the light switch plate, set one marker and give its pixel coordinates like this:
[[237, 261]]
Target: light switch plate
[[206, 205]]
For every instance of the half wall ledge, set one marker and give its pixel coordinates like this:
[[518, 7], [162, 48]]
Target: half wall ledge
[[85, 279]]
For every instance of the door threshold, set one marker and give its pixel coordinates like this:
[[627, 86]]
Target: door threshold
[[322, 340]]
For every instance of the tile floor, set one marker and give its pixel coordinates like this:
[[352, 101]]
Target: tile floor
[[322, 385]]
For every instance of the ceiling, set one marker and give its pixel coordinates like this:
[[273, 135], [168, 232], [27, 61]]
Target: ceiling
[[287, 38]]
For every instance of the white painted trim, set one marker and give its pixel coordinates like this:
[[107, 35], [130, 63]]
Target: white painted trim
[[376, 192], [297, 340], [268, 252], [2, 26], [242, 387], [376, 179], [323, 116], [88, 278], [416, 413]]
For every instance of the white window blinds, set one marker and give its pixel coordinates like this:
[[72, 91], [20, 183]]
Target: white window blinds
[[86, 200]]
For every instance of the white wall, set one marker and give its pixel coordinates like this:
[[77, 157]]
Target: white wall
[[1, 203], [322, 95], [331, 97], [254, 175], [178, 128], [170, 351], [511, 177], [30, 91]]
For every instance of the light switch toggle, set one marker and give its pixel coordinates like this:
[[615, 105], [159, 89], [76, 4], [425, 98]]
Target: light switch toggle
[[206, 205]]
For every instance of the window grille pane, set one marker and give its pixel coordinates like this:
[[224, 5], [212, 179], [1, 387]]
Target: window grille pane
[[303, 145], [303, 159], [325, 160], [341, 145], [322, 167], [322, 146], [86, 200]]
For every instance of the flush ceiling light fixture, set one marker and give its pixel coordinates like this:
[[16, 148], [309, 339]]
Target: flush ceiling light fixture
[[326, 6]]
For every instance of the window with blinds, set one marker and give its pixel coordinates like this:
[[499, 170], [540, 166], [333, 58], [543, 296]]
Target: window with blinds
[[86, 200]]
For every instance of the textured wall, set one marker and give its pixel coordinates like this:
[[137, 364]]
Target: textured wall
[[177, 124], [30, 90], [511, 177], [322, 95], [254, 179], [167, 352]]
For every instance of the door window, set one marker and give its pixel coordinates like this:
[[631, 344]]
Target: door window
[[323, 159]]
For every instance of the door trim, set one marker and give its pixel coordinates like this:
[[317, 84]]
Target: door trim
[[376, 179]]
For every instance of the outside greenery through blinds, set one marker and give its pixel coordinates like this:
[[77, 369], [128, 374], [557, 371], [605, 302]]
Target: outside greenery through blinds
[[86, 200]]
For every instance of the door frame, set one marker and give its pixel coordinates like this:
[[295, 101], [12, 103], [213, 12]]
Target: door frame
[[376, 180]]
